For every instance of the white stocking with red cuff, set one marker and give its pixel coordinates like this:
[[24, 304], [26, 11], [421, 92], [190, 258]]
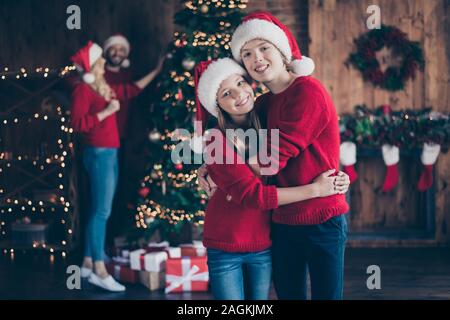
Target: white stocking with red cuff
[[428, 158], [348, 159], [391, 157]]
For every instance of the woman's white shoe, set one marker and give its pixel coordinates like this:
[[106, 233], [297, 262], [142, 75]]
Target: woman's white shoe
[[107, 283], [85, 272]]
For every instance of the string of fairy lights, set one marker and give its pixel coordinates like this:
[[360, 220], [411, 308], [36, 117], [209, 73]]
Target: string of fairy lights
[[45, 72], [150, 209], [203, 6], [16, 205]]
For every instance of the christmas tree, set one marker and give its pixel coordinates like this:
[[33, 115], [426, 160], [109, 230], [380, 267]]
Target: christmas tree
[[169, 197]]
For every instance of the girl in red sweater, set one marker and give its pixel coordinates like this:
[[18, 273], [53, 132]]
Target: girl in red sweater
[[93, 115], [237, 221], [308, 235]]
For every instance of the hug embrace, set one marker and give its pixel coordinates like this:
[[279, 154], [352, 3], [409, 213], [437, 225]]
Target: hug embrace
[[291, 222]]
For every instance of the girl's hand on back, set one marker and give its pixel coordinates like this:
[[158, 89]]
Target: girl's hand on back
[[325, 184], [342, 182], [328, 185]]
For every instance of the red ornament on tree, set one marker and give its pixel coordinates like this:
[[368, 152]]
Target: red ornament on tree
[[179, 95], [179, 166], [386, 109], [143, 192]]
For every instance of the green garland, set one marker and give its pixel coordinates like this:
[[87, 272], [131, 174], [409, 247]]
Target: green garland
[[394, 78], [407, 129]]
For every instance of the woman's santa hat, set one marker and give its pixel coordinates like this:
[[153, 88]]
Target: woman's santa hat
[[263, 25], [85, 58], [208, 77], [119, 39]]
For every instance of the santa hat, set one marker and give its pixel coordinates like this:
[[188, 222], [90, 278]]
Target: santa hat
[[263, 25], [428, 158], [118, 39], [348, 159], [208, 77], [391, 157], [85, 58]]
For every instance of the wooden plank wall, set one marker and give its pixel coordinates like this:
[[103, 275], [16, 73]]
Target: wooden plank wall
[[333, 25], [34, 33]]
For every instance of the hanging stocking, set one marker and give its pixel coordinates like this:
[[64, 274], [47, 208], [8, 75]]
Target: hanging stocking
[[428, 158], [348, 159], [391, 157]]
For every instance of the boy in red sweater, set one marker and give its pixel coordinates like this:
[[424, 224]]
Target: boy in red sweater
[[308, 235]]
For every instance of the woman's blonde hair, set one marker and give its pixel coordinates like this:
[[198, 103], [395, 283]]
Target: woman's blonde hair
[[100, 85]]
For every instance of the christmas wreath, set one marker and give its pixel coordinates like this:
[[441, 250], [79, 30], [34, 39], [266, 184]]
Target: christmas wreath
[[399, 63]]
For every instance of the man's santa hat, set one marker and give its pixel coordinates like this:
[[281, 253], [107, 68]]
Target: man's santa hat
[[208, 77], [85, 58], [119, 39], [263, 25]]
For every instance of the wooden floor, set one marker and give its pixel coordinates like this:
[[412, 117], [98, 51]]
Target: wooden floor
[[405, 274]]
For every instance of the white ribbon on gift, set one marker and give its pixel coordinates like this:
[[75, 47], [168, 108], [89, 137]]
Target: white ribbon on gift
[[162, 244], [188, 274]]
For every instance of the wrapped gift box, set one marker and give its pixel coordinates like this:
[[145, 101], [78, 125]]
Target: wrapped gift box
[[163, 244], [152, 280], [195, 249], [187, 274], [142, 260], [122, 272], [172, 252]]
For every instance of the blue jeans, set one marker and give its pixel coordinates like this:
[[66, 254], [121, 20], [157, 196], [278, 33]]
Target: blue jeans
[[103, 171], [318, 249], [239, 276]]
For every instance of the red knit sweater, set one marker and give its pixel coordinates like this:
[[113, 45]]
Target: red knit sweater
[[308, 146], [122, 78], [237, 216], [86, 103]]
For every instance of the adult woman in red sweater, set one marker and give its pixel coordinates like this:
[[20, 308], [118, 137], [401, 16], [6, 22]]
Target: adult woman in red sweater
[[237, 222], [93, 115]]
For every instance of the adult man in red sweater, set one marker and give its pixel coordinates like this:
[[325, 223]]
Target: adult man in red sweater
[[116, 51]]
